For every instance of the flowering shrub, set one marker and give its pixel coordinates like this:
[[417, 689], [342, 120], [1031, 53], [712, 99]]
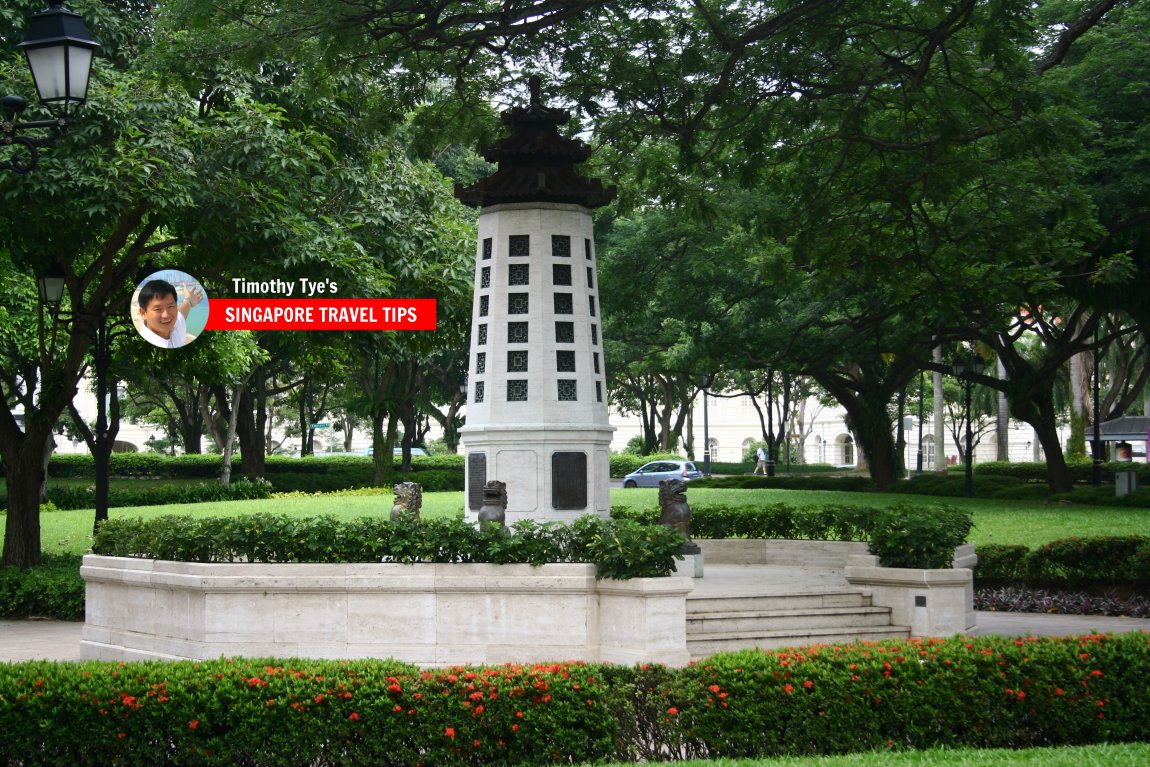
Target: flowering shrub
[[981, 692]]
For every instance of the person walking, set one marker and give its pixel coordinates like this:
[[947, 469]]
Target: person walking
[[760, 461]]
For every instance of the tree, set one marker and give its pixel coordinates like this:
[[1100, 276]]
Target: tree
[[144, 177]]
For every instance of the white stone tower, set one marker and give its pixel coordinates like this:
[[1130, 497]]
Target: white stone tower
[[536, 404]]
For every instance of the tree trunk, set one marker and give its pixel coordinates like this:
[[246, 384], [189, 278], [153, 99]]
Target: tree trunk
[[24, 472], [1038, 411], [1002, 425]]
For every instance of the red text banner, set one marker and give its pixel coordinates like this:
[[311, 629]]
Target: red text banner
[[321, 314]]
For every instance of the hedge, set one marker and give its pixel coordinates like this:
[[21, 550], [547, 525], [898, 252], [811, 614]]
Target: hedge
[[208, 465], [900, 535], [1080, 471], [787, 482], [1070, 561], [52, 590], [987, 692], [200, 492], [620, 549]]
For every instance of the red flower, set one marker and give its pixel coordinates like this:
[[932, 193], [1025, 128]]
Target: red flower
[[673, 711], [193, 724], [714, 688], [450, 732], [808, 684], [788, 689], [515, 728], [353, 716]]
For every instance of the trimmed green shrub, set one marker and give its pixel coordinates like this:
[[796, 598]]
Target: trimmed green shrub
[[200, 492], [1001, 562], [52, 590], [621, 549], [1080, 471], [904, 536], [901, 536], [986, 692], [850, 484], [1069, 561]]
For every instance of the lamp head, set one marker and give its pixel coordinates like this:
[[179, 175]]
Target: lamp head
[[59, 49]]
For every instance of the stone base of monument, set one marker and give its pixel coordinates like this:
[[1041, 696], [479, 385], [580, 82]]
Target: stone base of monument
[[429, 614], [691, 565]]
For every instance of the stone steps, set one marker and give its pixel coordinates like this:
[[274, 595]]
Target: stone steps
[[776, 619]]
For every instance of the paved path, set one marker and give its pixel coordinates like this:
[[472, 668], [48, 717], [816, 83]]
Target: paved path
[[60, 640]]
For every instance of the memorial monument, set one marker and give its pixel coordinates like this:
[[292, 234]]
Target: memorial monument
[[536, 401]]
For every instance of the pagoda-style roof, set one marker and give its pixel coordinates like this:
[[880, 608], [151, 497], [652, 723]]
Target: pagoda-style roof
[[536, 164]]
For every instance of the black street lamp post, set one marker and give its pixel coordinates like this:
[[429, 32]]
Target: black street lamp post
[[708, 379], [921, 392], [770, 423], [51, 288], [1096, 443], [963, 369], [59, 50]]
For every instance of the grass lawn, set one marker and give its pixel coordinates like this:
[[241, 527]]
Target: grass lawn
[[1121, 755], [1023, 522]]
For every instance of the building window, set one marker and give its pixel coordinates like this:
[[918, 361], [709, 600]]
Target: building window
[[517, 391], [560, 274], [587, 247], [481, 362], [519, 245], [591, 304], [561, 246], [482, 334], [517, 361], [478, 391], [567, 390], [595, 358], [517, 303], [484, 305], [486, 248], [519, 274], [516, 332], [485, 277], [565, 361], [598, 391], [563, 304], [595, 334], [591, 277], [564, 332]]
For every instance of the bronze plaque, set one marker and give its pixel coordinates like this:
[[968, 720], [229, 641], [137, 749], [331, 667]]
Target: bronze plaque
[[476, 479], [568, 481]]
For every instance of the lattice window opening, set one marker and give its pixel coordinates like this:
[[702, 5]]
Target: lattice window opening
[[568, 390], [517, 361], [517, 390], [519, 245]]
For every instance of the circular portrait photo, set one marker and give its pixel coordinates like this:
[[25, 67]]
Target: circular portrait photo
[[169, 309]]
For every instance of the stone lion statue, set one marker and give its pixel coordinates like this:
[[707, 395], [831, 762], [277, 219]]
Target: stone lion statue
[[674, 511], [494, 509], [408, 500]]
